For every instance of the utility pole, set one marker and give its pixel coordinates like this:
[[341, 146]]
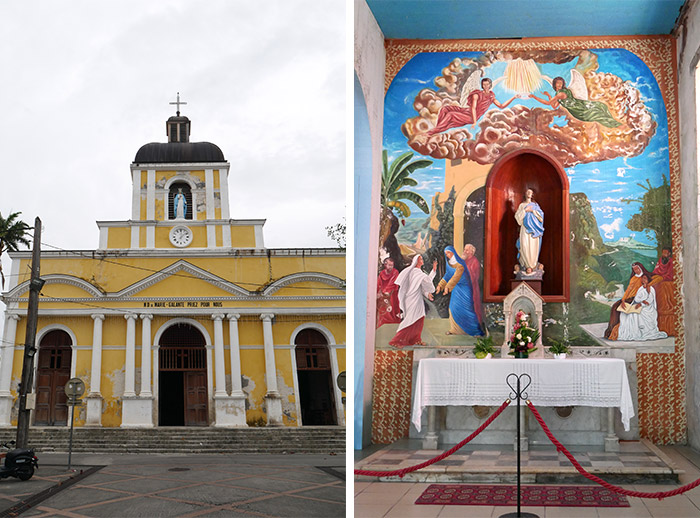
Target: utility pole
[[35, 285]]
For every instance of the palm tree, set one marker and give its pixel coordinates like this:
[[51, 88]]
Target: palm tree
[[394, 178], [12, 234]]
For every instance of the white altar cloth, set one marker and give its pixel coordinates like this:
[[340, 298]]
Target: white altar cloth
[[597, 382]]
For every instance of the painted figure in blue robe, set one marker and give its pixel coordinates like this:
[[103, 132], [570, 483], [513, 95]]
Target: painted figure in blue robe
[[530, 217], [457, 282]]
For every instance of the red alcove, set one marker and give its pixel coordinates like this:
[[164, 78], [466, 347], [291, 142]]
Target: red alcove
[[510, 176]]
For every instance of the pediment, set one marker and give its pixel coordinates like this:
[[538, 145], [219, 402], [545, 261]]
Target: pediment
[[297, 283], [183, 279], [62, 285]]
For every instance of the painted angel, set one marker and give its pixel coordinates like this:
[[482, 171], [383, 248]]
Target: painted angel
[[473, 104], [575, 100]]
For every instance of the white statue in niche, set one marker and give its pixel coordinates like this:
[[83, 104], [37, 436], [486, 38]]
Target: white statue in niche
[[180, 204], [530, 217]]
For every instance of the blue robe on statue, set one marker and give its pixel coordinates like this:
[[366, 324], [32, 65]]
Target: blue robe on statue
[[461, 298]]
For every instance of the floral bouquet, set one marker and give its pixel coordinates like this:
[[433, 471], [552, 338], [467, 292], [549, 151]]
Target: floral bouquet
[[523, 338]]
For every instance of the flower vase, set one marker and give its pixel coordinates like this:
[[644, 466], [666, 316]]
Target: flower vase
[[560, 356], [520, 354]]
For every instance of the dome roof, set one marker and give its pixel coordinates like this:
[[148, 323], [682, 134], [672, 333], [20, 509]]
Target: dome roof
[[178, 152]]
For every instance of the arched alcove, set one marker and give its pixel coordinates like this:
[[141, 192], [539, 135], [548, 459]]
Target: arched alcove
[[185, 189], [510, 176]]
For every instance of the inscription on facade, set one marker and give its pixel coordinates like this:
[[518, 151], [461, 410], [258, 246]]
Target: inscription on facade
[[184, 304]]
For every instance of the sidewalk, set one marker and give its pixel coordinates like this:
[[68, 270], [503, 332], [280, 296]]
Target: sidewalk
[[193, 485]]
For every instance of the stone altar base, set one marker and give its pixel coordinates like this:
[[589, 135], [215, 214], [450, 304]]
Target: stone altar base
[[638, 462]]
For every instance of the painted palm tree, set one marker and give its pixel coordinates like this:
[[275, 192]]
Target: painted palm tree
[[12, 235], [395, 178]]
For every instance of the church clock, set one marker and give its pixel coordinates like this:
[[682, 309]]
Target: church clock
[[180, 236]]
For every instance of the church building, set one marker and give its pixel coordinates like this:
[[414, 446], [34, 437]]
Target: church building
[[181, 316]]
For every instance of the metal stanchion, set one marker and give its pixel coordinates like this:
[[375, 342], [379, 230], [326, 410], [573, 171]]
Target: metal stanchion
[[518, 393], [75, 388]]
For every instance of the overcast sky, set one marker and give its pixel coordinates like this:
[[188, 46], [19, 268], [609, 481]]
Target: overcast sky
[[86, 84]]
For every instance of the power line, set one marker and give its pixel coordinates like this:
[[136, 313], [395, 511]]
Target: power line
[[185, 276]]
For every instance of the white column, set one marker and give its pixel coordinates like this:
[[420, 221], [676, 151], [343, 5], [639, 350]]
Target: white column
[[96, 366], [230, 410], [94, 397], [223, 192], [151, 194], [137, 411], [130, 361], [272, 397], [8, 355], [236, 386], [219, 362], [136, 195], [270, 367], [146, 356], [209, 193]]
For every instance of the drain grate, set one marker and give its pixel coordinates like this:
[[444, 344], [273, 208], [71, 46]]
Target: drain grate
[[34, 500], [179, 469]]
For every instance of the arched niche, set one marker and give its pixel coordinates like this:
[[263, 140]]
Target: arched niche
[[510, 176]]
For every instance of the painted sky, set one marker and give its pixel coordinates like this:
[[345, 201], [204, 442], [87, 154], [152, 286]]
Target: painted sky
[[605, 183]]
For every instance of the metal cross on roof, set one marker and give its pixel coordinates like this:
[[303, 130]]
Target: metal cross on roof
[[178, 103]]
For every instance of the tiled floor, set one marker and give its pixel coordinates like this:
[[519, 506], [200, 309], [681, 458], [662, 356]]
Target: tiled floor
[[396, 499], [636, 461]]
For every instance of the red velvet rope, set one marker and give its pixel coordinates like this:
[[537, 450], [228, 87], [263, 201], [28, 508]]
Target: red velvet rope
[[447, 453], [639, 494]]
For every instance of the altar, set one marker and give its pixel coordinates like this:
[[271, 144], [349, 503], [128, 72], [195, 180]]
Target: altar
[[460, 383]]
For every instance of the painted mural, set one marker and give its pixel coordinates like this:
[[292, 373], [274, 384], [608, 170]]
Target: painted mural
[[449, 116]]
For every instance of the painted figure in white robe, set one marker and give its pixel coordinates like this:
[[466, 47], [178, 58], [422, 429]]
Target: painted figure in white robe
[[530, 217], [414, 284], [643, 325]]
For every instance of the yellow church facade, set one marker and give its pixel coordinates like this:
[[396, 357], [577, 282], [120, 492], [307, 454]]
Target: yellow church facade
[[181, 316]]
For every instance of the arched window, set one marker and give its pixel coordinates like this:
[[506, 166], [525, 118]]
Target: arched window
[[184, 189]]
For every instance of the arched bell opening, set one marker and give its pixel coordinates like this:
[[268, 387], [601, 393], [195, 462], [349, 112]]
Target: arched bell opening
[[506, 184], [182, 377]]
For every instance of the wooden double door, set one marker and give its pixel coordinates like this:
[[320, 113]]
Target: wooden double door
[[315, 379], [53, 372], [182, 380]]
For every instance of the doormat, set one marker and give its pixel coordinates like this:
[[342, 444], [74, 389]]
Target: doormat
[[555, 496]]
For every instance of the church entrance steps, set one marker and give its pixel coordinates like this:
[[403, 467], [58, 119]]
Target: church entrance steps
[[637, 462], [186, 440]]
